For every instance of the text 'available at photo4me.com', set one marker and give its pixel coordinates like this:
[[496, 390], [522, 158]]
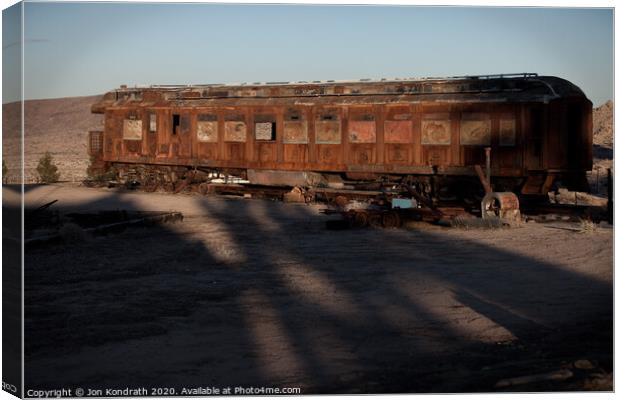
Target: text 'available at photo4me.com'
[[161, 391]]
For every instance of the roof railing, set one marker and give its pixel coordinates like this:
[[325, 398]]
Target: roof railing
[[524, 75]]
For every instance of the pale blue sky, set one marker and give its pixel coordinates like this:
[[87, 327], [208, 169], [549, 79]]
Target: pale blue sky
[[88, 48]]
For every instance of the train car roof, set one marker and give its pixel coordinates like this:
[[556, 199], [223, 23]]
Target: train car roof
[[526, 87]]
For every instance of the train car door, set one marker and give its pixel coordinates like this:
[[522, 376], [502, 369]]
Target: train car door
[[180, 134]]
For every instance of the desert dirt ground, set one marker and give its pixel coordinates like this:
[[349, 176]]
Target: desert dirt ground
[[249, 292]]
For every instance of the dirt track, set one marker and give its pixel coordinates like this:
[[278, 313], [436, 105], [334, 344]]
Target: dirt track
[[258, 293]]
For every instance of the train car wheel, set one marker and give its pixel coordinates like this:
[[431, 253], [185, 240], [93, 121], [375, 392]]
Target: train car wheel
[[391, 219], [360, 219], [375, 220], [500, 205]]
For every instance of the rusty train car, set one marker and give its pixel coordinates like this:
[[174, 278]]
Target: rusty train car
[[538, 130]]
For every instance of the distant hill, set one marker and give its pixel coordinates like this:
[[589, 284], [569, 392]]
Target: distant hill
[[59, 126], [603, 125]]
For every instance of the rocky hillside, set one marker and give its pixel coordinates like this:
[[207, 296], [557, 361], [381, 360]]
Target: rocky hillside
[[59, 126], [603, 125], [603, 151]]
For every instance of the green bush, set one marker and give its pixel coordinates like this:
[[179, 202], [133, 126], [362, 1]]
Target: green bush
[[48, 172]]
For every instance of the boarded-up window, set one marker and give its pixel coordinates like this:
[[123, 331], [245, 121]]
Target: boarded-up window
[[265, 131], [295, 132], [436, 129], [206, 128], [397, 131], [132, 129], [507, 132], [235, 131], [152, 122], [295, 128], [327, 129], [362, 129], [475, 129], [328, 132]]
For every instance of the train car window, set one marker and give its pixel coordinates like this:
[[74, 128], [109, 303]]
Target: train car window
[[207, 128], [295, 128], [475, 129], [265, 131], [328, 131], [362, 129], [293, 114], [436, 129], [507, 132], [152, 122], [328, 126], [397, 131], [132, 127], [185, 124], [176, 121], [235, 129]]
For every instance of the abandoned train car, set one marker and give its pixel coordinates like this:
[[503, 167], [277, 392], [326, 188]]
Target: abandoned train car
[[538, 129]]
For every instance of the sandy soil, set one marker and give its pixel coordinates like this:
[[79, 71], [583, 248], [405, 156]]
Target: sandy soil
[[258, 293]]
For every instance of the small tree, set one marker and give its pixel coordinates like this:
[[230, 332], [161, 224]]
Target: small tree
[[48, 172]]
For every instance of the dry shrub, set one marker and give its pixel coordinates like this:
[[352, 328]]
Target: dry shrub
[[587, 226], [47, 170]]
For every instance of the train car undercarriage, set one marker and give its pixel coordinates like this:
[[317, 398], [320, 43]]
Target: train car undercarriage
[[376, 192]]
